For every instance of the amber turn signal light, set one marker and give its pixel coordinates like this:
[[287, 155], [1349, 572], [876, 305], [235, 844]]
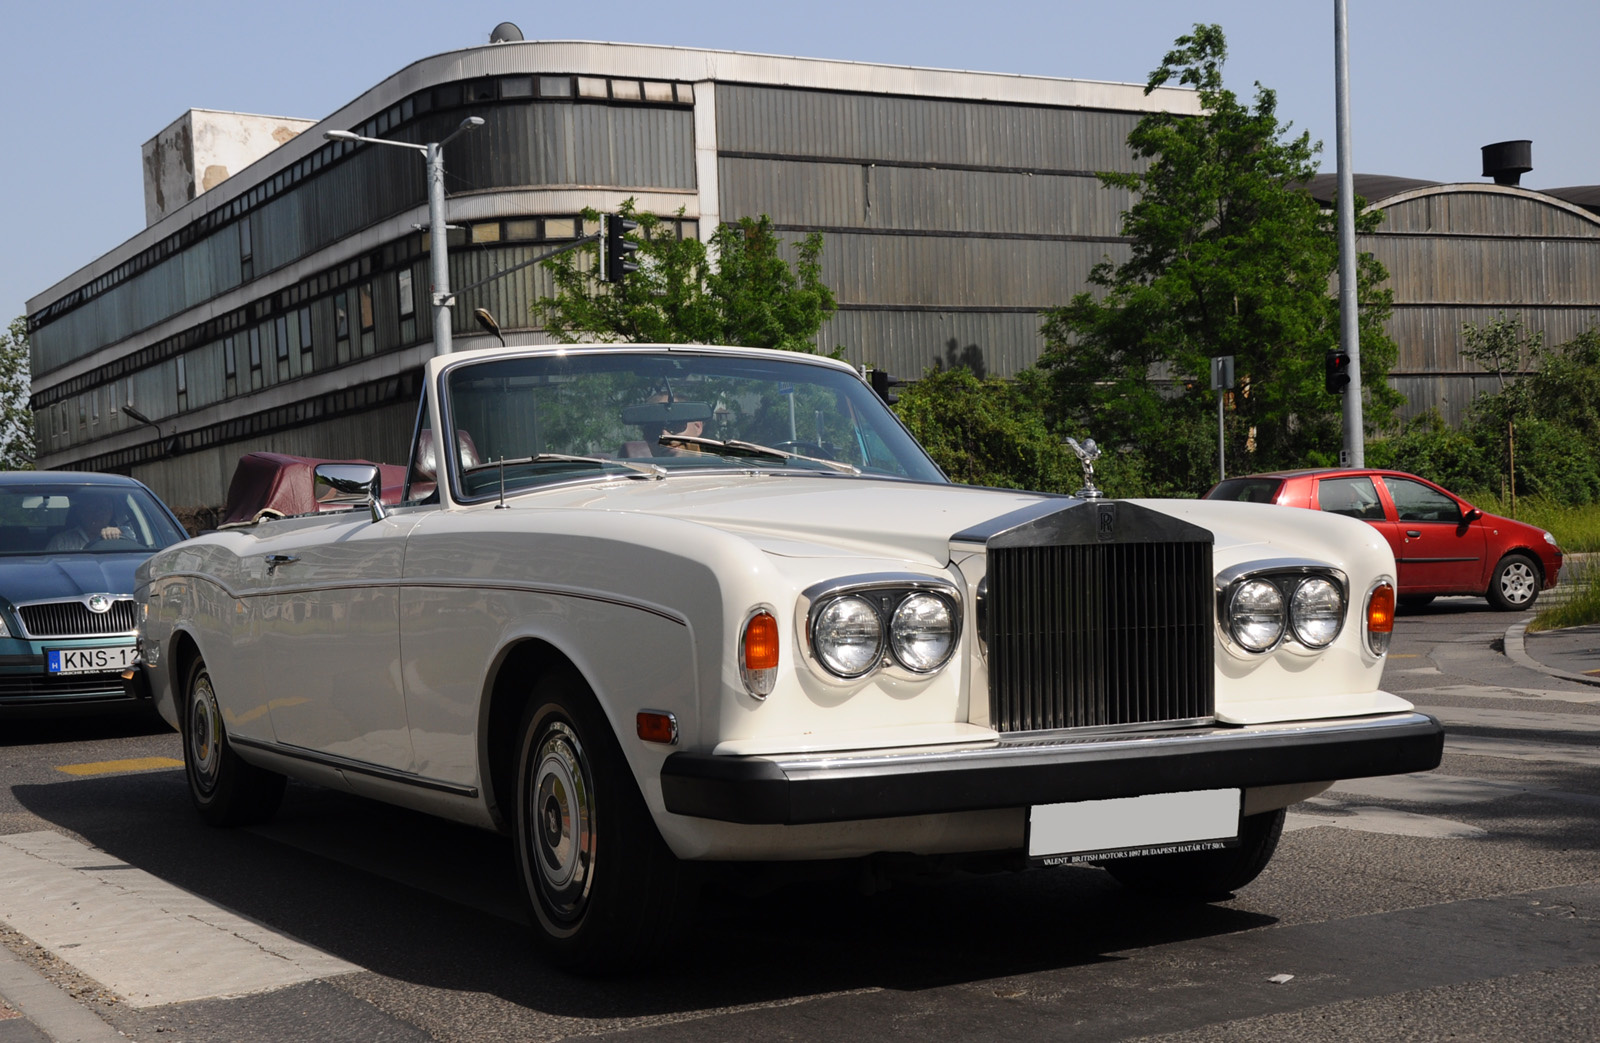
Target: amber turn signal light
[[1380, 618], [657, 726], [761, 642]]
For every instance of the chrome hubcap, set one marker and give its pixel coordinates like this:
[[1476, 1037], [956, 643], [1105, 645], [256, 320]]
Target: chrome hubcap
[[1517, 583], [205, 734], [560, 823]]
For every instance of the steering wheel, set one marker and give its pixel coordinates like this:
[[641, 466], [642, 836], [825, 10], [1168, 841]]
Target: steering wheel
[[117, 543]]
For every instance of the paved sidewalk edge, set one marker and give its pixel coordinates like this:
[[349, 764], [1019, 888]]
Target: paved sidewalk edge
[[1517, 652], [50, 1010]]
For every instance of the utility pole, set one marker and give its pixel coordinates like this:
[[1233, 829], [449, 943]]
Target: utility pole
[[438, 259], [1353, 453]]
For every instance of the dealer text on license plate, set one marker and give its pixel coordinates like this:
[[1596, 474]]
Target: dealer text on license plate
[[1123, 827], [90, 660]]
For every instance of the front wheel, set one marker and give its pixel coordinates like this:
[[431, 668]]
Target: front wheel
[[1515, 584], [604, 891], [1205, 875], [226, 790]]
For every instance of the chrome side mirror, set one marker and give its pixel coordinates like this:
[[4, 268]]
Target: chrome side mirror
[[349, 485]]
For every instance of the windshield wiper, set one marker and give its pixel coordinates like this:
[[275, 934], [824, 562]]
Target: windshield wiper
[[734, 447], [647, 469]]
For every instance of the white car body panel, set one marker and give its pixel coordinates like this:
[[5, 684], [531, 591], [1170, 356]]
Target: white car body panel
[[378, 647]]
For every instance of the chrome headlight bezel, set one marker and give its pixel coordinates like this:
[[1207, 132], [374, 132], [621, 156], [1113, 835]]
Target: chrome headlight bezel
[[1303, 626], [887, 595]]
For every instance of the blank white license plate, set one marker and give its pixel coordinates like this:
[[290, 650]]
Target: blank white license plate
[[114, 659], [1154, 824]]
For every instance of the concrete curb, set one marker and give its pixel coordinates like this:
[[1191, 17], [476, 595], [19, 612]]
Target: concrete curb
[[47, 1008], [1517, 652]]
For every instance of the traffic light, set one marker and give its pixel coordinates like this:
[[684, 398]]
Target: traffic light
[[883, 381], [617, 249], [1337, 377]]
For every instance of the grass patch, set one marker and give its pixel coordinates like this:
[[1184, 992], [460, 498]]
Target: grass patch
[[1581, 609], [1576, 529]]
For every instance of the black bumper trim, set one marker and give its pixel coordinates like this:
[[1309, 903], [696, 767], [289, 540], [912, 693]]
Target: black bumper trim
[[848, 786]]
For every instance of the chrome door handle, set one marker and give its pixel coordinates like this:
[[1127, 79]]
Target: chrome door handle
[[274, 560]]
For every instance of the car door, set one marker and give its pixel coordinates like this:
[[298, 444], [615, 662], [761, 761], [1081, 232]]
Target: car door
[[1438, 550], [1356, 496], [329, 633]]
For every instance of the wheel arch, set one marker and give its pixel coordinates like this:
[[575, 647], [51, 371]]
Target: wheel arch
[[512, 679]]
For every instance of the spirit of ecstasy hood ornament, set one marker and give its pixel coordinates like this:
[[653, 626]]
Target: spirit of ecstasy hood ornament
[[1088, 453]]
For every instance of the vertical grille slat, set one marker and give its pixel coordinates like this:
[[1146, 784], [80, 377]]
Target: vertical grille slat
[[1099, 635], [74, 619]]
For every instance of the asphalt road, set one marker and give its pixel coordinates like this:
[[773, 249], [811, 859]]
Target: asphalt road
[[1463, 904]]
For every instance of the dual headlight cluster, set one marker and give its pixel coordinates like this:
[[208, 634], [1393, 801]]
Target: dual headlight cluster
[[1262, 610], [854, 630]]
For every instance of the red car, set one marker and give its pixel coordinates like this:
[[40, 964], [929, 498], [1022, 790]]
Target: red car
[[1442, 544]]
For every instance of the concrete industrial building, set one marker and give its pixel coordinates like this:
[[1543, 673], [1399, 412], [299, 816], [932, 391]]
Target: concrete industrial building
[[285, 305], [279, 298]]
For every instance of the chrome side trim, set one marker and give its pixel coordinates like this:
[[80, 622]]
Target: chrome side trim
[[328, 760]]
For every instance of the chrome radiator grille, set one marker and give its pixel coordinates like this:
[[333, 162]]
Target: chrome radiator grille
[[73, 619], [1099, 634]]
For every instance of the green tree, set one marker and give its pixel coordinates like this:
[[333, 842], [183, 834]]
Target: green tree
[[989, 432], [16, 417], [1230, 256], [737, 289]]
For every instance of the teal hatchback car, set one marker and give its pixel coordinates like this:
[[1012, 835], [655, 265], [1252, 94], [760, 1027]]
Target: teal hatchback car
[[69, 542]]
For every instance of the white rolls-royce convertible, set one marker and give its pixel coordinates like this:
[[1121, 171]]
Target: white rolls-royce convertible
[[648, 607]]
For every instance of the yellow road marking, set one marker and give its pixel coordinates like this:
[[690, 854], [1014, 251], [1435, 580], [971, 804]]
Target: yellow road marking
[[131, 764]]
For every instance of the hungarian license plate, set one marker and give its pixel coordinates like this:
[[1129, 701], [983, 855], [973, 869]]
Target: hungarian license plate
[[108, 660], [1125, 827]]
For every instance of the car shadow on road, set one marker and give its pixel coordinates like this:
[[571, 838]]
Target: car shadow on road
[[798, 941]]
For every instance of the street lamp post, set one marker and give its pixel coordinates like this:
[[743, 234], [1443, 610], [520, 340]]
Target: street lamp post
[[433, 153]]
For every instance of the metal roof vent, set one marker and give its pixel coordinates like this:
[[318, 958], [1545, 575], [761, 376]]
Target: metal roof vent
[[1507, 161], [506, 32]]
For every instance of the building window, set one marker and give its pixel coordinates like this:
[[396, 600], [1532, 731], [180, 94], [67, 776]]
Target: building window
[[341, 326], [183, 380], [305, 340], [281, 339], [408, 306], [230, 359], [369, 334], [255, 357], [246, 252]]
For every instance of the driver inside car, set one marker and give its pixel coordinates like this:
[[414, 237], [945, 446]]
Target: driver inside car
[[89, 520], [662, 417]]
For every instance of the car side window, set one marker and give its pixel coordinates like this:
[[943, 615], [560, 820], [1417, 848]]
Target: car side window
[[1414, 501], [1354, 497]]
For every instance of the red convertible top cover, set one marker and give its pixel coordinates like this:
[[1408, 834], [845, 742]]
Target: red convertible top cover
[[277, 484]]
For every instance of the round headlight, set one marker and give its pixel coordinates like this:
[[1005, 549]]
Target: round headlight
[[922, 633], [1255, 615], [1316, 612], [848, 636]]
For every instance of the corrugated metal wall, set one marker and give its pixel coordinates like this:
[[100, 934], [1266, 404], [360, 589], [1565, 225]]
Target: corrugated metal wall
[[1465, 254], [971, 216]]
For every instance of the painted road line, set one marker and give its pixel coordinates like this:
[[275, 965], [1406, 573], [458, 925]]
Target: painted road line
[[1431, 787], [1380, 820], [113, 767], [1522, 750], [142, 938]]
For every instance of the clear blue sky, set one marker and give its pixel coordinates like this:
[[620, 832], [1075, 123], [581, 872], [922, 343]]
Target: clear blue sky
[[86, 83]]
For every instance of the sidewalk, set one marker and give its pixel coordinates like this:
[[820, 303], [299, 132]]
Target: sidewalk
[[1572, 654]]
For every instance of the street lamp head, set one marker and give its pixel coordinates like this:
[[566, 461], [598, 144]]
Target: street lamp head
[[137, 415], [341, 135], [471, 121]]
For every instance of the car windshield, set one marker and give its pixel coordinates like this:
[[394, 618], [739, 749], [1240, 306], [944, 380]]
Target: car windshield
[[550, 417], [1247, 490], [62, 518]]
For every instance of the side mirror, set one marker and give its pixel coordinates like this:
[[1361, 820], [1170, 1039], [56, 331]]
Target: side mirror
[[349, 485], [1472, 514]]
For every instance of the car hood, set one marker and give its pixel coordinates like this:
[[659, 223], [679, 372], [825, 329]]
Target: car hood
[[824, 516], [58, 577]]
